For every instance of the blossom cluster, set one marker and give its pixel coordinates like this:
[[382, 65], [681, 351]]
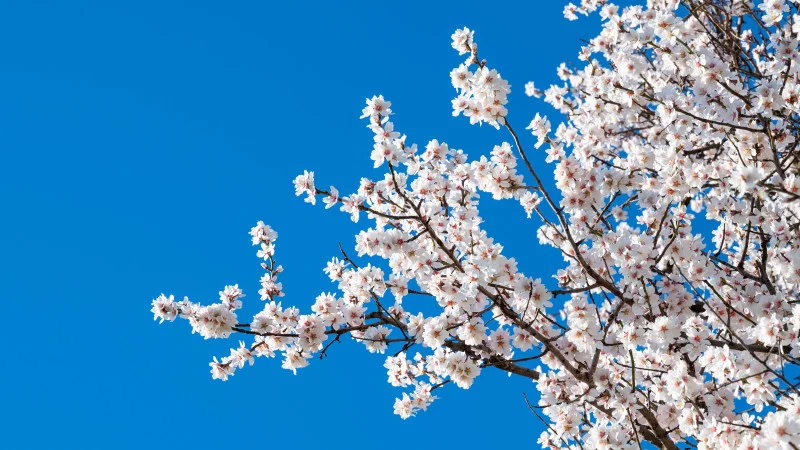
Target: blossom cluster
[[675, 316], [483, 93]]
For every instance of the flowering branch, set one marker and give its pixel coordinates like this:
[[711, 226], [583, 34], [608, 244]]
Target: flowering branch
[[682, 108]]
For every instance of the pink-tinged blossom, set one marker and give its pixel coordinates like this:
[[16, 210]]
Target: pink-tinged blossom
[[304, 184], [231, 296], [164, 308], [462, 40]]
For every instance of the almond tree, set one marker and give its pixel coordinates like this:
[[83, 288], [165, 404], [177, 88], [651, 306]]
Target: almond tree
[[683, 119]]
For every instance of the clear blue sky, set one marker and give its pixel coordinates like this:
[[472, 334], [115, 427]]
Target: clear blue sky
[[139, 144]]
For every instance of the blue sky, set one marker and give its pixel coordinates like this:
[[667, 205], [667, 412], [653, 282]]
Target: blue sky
[[141, 142]]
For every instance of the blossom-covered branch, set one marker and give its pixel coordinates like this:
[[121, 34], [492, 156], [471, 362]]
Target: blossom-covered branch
[[677, 178]]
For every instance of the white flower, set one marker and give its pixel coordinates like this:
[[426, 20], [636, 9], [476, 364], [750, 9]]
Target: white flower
[[304, 184], [462, 40], [569, 12], [404, 407], [377, 107], [331, 199], [375, 339], [230, 296], [539, 127], [214, 321], [294, 360], [263, 234], [164, 308], [472, 332], [531, 91]]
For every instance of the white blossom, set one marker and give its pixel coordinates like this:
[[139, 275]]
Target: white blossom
[[674, 204]]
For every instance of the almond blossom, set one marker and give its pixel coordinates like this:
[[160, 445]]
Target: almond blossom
[[674, 318]]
